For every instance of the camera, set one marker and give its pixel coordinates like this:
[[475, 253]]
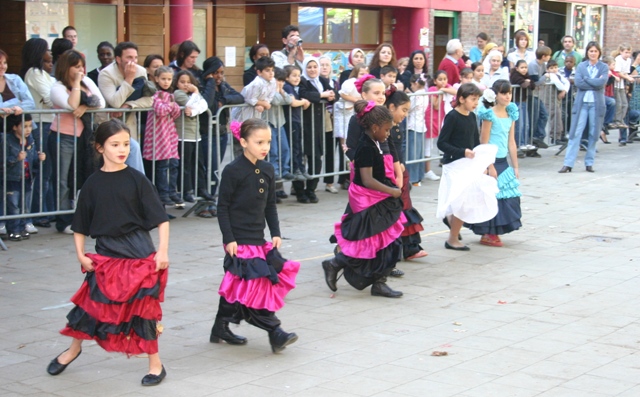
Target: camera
[[299, 42]]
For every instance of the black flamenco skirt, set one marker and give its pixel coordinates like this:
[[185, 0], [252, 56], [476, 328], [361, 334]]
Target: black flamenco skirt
[[118, 304], [369, 238], [509, 214]]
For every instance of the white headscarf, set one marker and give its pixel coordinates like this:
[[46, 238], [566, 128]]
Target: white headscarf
[[487, 60], [315, 81], [327, 57]]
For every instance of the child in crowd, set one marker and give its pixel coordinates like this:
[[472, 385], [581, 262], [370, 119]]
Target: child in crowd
[[21, 161], [609, 99], [538, 114], [416, 127], [118, 304], [498, 117], [399, 104], [293, 118], [256, 278], [623, 66], [259, 93], [466, 76], [567, 102], [217, 92], [520, 78], [388, 75], [552, 99], [279, 153], [186, 93], [368, 254], [161, 139], [402, 65], [478, 74], [439, 106], [464, 182]]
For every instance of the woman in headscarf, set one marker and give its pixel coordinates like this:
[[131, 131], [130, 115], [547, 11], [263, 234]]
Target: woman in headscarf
[[356, 56]]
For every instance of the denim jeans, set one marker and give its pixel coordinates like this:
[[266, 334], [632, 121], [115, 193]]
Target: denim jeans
[[415, 151], [279, 152], [42, 176], [587, 114], [296, 147], [166, 178], [538, 117], [15, 207], [212, 185], [611, 109], [61, 149], [522, 125]]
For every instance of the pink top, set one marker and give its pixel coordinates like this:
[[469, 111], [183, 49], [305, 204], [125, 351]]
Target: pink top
[[66, 123], [161, 137]]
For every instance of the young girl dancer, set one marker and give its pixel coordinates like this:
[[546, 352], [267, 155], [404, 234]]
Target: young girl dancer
[[161, 139], [399, 104], [257, 277], [498, 117], [118, 305], [368, 233], [464, 181], [416, 127]]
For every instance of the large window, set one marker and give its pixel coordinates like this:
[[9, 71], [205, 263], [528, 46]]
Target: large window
[[324, 25]]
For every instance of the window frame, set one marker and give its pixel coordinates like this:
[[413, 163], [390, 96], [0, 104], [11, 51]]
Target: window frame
[[348, 46]]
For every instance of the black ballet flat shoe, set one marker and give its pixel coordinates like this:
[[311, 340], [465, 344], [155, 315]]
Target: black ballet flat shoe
[[451, 247], [590, 169], [221, 331], [382, 289], [446, 222], [55, 368], [279, 339], [154, 380], [396, 273], [564, 169], [603, 138]]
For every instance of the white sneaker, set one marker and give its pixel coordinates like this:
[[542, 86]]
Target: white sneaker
[[431, 176], [67, 230], [531, 147], [3, 229], [30, 228]]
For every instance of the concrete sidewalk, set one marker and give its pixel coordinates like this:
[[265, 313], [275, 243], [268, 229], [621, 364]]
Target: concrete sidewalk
[[553, 313]]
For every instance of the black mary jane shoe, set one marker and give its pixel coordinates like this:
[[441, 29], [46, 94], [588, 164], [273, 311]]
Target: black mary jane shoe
[[56, 368], [331, 269], [590, 169], [564, 169], [154, 380], [451, 247]]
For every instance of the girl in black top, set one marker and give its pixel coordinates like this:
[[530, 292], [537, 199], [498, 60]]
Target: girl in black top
[[118, 305], [458, 137], [257, 277], [369, 232]]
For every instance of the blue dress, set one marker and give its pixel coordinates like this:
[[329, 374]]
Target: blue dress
[[509, 213]]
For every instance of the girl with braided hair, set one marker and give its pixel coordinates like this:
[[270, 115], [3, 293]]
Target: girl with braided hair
[[368, 234]]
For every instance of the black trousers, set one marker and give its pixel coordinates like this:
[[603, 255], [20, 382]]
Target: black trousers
[[329, 158], [234, 312]]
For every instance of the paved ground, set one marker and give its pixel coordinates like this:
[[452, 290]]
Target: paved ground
[[553, 313]]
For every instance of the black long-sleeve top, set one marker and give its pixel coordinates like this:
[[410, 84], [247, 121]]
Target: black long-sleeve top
[[355, 132], [247, 198], [458, 133]]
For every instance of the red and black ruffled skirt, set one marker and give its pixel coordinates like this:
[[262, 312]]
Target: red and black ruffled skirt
[[118, 305]]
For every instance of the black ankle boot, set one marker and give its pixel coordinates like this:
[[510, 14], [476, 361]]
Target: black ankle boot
[[380, 288], [279, 339], [221, 330], [331, 269]]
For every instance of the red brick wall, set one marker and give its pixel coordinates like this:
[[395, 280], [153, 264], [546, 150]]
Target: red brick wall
[[621, 26]]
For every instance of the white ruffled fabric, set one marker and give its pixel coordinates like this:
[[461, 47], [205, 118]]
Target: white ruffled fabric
[[466, 191]]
